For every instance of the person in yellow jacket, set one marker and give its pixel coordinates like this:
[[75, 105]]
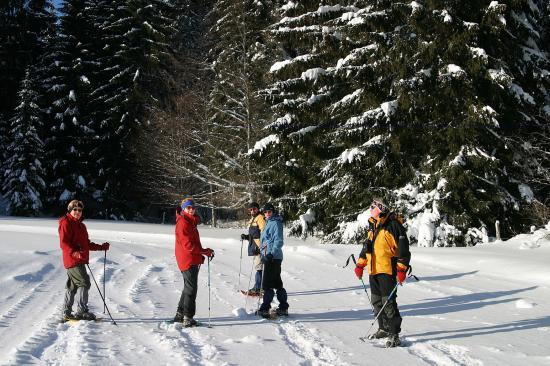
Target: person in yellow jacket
[[386, 255], [255, 227]]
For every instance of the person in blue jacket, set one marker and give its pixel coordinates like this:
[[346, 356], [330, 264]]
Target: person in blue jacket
[[271, 250]]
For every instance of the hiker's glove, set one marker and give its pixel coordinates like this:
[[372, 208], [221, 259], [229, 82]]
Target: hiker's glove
[[359, 270], [208, 252], [244, 236], [268, 258], [401, 275], [105, 246]]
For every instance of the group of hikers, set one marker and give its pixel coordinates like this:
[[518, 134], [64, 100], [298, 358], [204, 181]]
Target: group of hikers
[[385, 254]]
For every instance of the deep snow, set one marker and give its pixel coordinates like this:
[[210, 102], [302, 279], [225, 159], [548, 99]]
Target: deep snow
[[484, 305]]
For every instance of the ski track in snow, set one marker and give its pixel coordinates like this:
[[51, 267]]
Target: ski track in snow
[[305, 343], [43, 296], [442, 354], [144, 284]]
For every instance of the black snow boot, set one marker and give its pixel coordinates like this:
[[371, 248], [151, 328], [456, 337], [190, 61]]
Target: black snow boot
[[281, 312], [379, 334], [264, 314], [189, 322], [85, 316], [393, 341], [178, 318]]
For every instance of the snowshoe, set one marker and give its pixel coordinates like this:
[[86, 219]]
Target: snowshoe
[[251, 292], [379, 334], [393, 341]]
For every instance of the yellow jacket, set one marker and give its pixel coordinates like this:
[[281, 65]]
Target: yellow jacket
[[387, 246]]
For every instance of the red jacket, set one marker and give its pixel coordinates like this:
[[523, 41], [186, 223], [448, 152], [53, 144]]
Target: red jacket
[[73, 237], [188, 243]]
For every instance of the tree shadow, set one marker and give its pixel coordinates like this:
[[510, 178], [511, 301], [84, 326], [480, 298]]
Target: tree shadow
[[482, 330], [326, 291], [448, 276], [455, 303]]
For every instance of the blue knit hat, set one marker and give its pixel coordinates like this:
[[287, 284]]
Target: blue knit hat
[[187, 202]]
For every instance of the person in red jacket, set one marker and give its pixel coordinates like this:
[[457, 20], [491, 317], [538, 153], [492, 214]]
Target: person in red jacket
[[76, 246], [189, 256]]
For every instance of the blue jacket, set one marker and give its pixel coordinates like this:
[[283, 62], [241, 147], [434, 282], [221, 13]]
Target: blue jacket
[[272, 237]]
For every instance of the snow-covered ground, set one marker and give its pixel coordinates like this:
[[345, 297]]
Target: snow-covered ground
[[486, 305]]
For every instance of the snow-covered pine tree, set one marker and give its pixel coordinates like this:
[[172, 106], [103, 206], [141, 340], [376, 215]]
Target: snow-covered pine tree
[[24, 25], [432, 104], [237, 113], [67, 78], [294, 152], [132, 83], [24, 28], [24, 184]]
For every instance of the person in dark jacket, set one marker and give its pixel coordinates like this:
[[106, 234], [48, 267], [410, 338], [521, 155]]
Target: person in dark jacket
[[386, 255], [75, 246], [189, 256], [255, 227], [271, 251]]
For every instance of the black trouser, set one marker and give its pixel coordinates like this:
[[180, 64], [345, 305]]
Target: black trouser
[[272, 280], [78, 281], [187, 304], [381, 285]]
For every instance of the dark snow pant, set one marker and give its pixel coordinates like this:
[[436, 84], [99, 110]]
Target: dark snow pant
[[78, 282], [272, 280], [187, 304], [381, 285]]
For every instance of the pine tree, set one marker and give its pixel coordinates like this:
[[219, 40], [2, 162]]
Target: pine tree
[[68, 143], [237, 113], [430, 103], [24, 185], [132, 85], [23, 27]]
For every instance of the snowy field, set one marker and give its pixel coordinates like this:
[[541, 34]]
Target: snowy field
[[486, 305]]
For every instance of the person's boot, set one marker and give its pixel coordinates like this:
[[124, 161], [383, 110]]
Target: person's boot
[[189, 322], [85, 316], [380, 333], [263, 314], [281, 312], [393, 341], [178, 318]]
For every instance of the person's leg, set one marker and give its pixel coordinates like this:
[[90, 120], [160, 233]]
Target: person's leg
[[267, 286], [70, 291], [81, 280], [377, 301], [258, 277], [282, 296], [391, 312], [190, 286]]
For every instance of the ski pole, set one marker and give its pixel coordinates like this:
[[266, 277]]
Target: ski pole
[[381, 310], [100, 294], [104, 293], [261, 288], [365, 288], [249, 279], [209, 326], [240, 264], [352, 257]]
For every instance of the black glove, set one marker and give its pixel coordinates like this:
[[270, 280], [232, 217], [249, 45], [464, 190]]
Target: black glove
[[268, 258], [244, 236]]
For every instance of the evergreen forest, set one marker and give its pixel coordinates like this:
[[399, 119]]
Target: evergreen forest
[[439, 108]]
